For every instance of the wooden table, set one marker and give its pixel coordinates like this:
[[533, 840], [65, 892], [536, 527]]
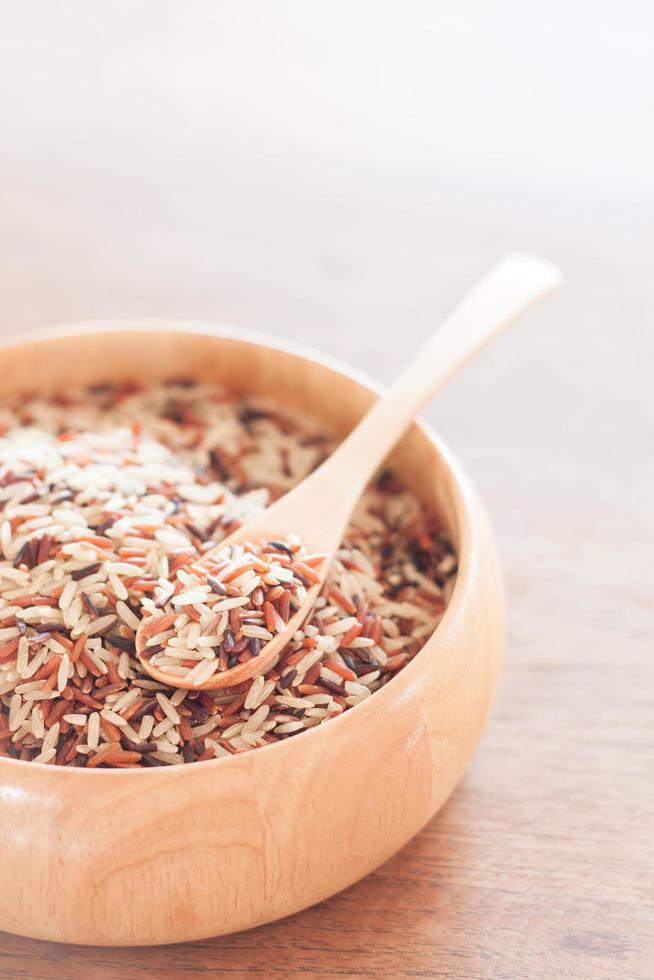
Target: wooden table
[[124, 195]]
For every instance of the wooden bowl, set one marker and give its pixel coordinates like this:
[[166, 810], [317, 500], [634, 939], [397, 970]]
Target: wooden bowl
[[168, 855]]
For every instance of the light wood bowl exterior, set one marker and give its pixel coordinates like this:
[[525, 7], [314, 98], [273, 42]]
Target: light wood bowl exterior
[[170, 855]]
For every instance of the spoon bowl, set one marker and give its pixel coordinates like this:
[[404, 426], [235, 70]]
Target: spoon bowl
[[245, 671]]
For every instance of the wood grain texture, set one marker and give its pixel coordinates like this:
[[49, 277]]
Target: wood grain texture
[[346, 188]]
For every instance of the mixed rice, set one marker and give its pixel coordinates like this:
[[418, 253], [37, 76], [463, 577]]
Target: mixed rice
[[108, 497], [225, 606]]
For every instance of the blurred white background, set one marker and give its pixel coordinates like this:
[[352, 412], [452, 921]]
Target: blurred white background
[[305, 166], [337, 173]]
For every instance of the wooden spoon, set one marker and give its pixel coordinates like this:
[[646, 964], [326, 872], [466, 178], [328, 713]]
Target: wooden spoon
[[318, 510]]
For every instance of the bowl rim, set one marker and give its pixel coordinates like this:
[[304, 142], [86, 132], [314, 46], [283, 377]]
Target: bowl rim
[[466, 503]]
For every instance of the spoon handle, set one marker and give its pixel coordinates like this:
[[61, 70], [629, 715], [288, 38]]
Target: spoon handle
[[492, 304]]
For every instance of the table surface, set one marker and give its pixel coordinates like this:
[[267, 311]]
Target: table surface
[[176, 182]]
